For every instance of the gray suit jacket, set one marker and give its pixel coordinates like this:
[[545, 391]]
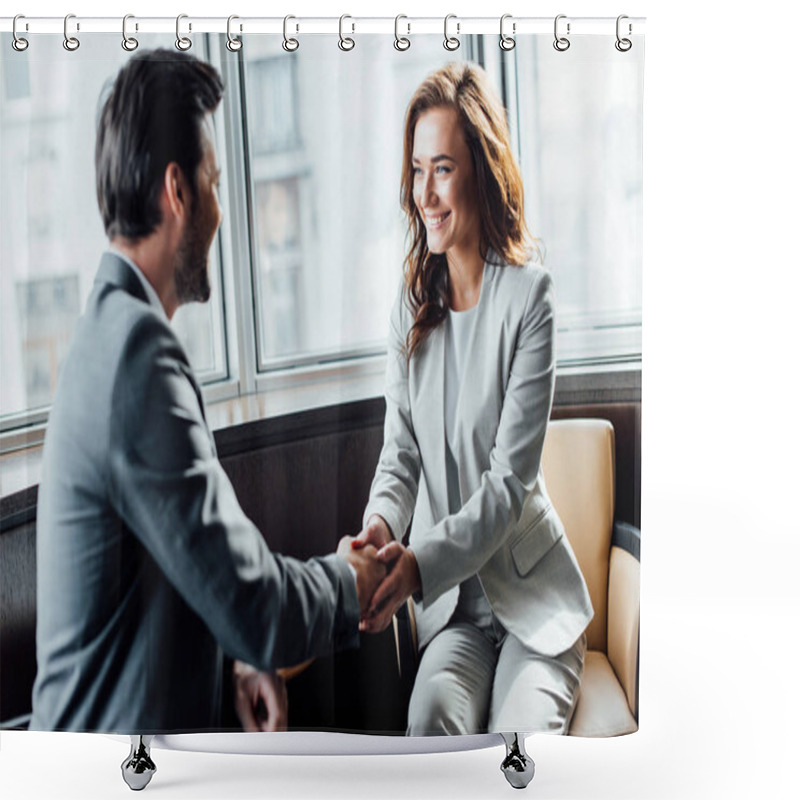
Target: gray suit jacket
[[507, 531], [145, 561]]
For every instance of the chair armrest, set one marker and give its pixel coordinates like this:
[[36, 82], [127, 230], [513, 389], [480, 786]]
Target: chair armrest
[[623, 610]]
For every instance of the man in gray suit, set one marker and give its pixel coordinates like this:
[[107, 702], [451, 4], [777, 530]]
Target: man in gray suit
[[147, 567]]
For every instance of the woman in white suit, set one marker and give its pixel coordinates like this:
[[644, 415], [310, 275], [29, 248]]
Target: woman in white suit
[[501, 603]]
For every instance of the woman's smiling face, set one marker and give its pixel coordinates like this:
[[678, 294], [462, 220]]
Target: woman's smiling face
[[444, 183]]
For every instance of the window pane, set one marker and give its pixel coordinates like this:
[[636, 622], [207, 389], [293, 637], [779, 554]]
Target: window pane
[[580, 131], [51, 232], [325, 148]]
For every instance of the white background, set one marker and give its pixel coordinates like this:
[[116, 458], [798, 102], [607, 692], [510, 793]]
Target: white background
[[720, 598]]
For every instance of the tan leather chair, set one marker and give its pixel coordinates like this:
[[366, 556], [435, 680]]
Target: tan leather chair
[[578, 465]]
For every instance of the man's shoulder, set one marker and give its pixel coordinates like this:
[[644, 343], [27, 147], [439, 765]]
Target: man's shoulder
[[119, 321], [112, 306], [114, 327]]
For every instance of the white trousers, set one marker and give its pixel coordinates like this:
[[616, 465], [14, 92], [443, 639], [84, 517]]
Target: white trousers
[[478, 680]]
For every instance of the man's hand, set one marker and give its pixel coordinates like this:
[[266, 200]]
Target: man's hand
[[400, 583], [369, 571], [260, 699], [376, 533]]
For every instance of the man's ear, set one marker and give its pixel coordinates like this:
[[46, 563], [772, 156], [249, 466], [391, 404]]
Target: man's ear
[[175, 194]]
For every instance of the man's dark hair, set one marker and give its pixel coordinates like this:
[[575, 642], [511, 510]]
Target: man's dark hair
[[152, 117]]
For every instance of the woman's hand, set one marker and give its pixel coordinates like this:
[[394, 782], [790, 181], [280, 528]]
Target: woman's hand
[[260, 699], [399, 584], [376, 533], [369, 571]]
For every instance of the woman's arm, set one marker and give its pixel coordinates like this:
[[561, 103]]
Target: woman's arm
[[393, 494], [458, 546]]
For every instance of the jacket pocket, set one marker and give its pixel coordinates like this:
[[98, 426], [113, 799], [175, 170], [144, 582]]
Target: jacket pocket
[[529, 549]]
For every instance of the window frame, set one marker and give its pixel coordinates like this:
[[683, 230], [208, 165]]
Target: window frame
[[617, 334]]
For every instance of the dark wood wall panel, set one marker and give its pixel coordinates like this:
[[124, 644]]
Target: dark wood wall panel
[[17, 620], [304, 496]]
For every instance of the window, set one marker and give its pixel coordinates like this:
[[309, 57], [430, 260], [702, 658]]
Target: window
[[309, 256], [580, 139], [325, 137], [50, 227]]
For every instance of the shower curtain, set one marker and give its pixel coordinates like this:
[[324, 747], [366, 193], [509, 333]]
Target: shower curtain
[[297, 356]]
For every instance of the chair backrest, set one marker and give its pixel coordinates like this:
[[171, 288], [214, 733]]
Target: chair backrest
[[578, 465]]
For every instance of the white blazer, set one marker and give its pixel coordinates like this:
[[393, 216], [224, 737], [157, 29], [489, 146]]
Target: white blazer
[[507, 530]]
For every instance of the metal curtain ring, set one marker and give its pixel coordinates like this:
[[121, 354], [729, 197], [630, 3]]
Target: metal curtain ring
[[233, 44], [507, 42], [623, 45], [19, 44], [289, 45], [70, 42], [128, 42], [451, 42], [561, 43], [400, 42], [345, 42], [182, 42]]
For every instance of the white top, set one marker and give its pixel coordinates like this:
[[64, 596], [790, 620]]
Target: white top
[[460, 325], [472, 602]]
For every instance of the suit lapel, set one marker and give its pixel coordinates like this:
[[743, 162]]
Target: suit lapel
[[429, 418]]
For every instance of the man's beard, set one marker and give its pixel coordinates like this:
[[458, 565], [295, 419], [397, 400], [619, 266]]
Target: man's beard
[[191, 273]]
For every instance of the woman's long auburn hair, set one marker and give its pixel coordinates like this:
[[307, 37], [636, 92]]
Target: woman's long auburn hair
[[464, 87]]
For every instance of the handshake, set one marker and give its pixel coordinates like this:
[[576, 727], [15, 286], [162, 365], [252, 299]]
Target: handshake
[[386, 573]]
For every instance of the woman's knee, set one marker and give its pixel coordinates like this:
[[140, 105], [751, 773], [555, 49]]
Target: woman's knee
[[535, 693], [539, 712], [440, 707]]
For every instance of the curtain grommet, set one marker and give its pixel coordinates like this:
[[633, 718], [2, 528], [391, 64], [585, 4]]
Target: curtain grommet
[[623, 44], [507, 42], [183, 43], [346, 43], [401, 43], [70, 43], [289, 44], [452, 43], [561, 43], [234, 44], [129, 43], [19, 43]]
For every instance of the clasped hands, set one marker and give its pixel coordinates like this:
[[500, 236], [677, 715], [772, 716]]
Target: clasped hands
[[386, 573], [386, 576]]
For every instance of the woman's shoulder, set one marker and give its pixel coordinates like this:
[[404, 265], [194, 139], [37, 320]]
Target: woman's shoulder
[[401, 315], [519, 283]]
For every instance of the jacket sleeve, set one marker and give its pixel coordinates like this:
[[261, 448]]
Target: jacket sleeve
[[393, 494], [459, 545], [171, 491]]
